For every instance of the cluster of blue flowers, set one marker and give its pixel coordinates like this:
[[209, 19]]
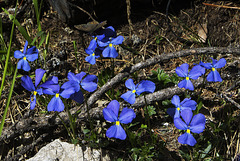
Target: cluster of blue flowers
[[110, 113], [103, 44], [183, 110], [70, 89]]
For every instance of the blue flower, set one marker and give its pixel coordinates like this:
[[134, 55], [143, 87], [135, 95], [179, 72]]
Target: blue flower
[[89, 83], [30, 54], [197, 125], [51, 88], [95, 40], [187, 103], [28, 85], [108, 42], [182, 71], [93, 54], [110, 113], [214, 76], [143, 86]]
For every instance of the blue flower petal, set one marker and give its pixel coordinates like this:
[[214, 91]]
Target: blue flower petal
[[51, 86], [187, 103], [71, 84], [27, 83], [214, 76], [113, 52], [127, 115], [66, 93], [55, 104], [145, 86], [33, 103], [23, 64], [32, 54], [182, 71], [176, 100], [187, 115], [89, 86], [114, 106], [206, 65], [197, 124], [77, 96], [186, 84], [187, 138], [214, 61], [72, 77], [109, 115], [118, 40], [129, 97], [25, 47], [103, 44], [89, 83], [129, 84], [116, 131], [39, 91], [18, 54], [179, 124], [221, 63], [89, 51], [38, 76], [106, 52], [80, 76], [172, 111], [93, 44], [196, 72], [91, 59]]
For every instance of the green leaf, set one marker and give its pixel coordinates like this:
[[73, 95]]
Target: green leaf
[[143, 126], [151, 110], [166, 102]]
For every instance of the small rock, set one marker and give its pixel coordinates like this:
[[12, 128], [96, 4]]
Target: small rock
[[63, 151]]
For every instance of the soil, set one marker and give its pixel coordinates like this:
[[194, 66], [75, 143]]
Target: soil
[[191, 24]]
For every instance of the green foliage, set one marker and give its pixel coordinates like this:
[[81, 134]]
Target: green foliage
[[150, 110], [145, 152], [158, 39], [162, 79], [103, 77]]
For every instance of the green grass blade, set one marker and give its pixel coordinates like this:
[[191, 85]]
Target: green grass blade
[[8, 101], [7, 57], [4, 75], [20, 28], [35, 3]]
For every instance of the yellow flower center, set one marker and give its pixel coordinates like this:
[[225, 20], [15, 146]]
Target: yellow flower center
[[134, 91], [213, 69], [178, 109], [110, 45], [57, 95], [188, 131], [187, 78], [117, 123], [93, 54], [24, 58], [95, 38], [35, 93]]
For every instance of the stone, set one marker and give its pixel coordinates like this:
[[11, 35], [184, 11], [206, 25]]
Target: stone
[[63, 151]]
